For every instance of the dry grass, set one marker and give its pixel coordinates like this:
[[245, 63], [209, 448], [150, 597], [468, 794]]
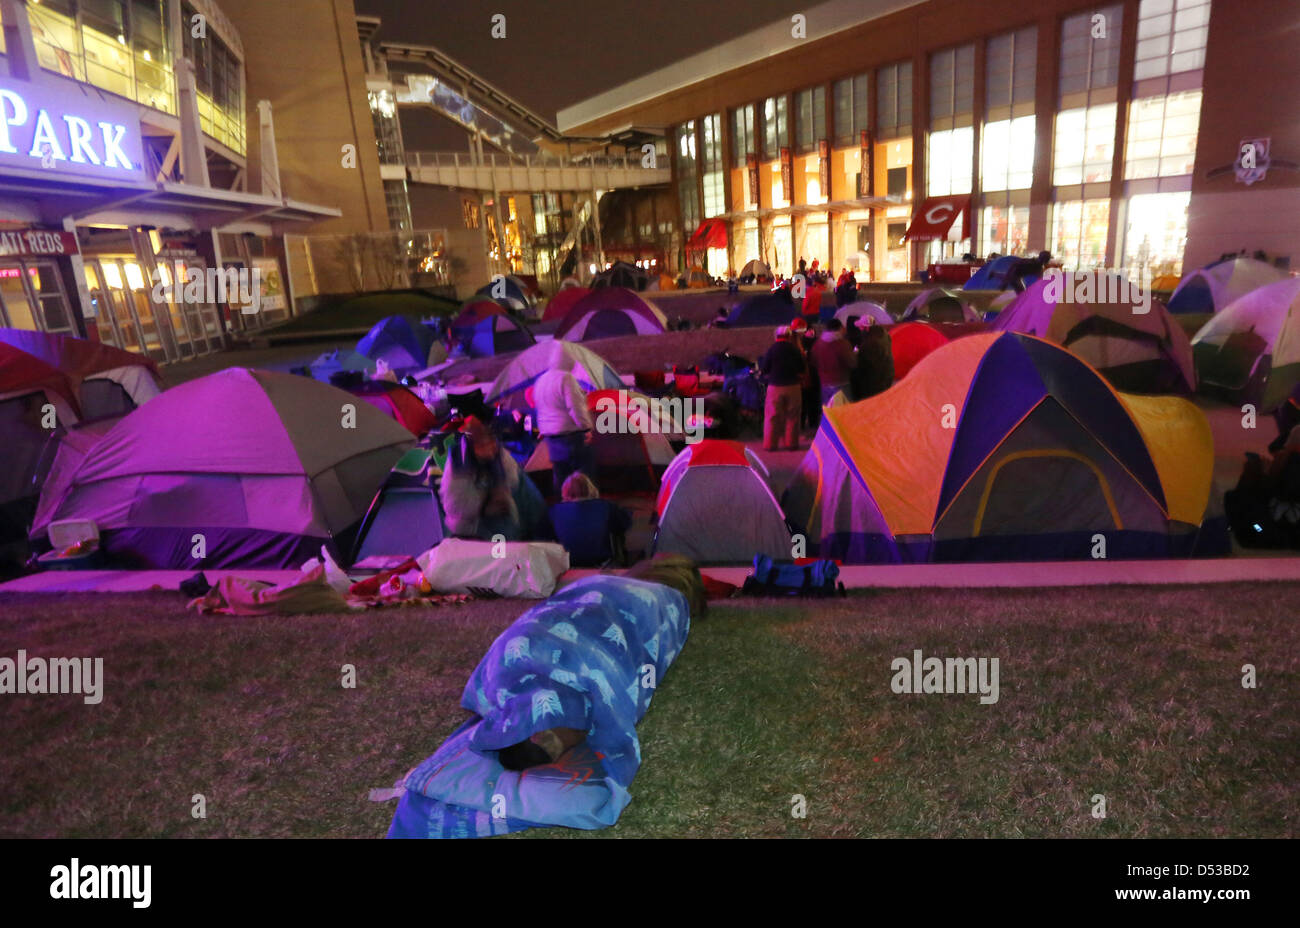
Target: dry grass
[[1130, 692]]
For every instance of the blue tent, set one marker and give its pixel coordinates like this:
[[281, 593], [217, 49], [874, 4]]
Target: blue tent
[[340, 359], [765, 309], [998, 275], [512, 293], [404, 345], [495, 335]]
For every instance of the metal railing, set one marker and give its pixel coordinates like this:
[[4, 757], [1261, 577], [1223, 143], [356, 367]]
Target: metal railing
[[464, 159]]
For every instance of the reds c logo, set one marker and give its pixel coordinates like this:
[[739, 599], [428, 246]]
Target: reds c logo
[[937, 214]]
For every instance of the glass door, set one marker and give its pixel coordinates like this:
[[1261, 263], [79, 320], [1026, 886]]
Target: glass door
[[16, 310], [32, 296]]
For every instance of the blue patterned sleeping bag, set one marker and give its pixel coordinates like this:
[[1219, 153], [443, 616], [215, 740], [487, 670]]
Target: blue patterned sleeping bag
[[587, 658]]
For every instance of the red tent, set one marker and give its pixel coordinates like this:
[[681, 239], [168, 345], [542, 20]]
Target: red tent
[[22, 373], [910, 342], [475, 311], [398, 402], [562, 302], [76, 357]]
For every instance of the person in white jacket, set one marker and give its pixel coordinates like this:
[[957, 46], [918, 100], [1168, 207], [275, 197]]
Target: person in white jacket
[[564, 422]]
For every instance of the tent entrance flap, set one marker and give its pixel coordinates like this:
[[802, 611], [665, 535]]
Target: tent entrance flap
[[935, 216]]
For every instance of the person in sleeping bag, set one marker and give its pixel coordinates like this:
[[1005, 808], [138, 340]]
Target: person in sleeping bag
[[555, 702]]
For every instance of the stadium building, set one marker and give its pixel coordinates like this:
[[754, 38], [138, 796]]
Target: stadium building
[[886, 135]]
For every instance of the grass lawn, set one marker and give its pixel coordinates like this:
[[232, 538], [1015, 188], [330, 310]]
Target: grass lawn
[[362, 312], [1134, 693]]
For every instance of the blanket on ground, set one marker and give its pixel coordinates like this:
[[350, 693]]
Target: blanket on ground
[[588, 658]]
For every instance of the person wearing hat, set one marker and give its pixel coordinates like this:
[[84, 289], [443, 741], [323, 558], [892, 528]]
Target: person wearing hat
[[478, 486], [782, 367]]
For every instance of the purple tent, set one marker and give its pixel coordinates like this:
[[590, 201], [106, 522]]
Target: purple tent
[[610, 312], [241, 468]]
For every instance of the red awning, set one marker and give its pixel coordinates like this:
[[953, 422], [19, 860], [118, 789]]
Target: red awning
[[712, 233], [935, 216]]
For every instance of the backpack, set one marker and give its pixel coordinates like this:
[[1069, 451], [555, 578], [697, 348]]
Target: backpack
[[814, 579]]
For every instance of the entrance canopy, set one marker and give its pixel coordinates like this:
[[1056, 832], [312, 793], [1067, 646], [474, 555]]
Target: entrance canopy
[[935, 216]]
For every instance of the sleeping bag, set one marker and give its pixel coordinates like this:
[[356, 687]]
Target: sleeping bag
[[588, 658]]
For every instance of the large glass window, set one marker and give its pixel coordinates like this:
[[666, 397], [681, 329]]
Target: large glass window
[[1007, 161], [849, 97], [1171, 37], [1162, 135], [687, 195], [952, 82], [949, 161], [711, 132], [894, 100], [1004, 226], [1078, 233], [1090, 51], [1155, 233], [1084, 145], [742, 134], [776, 126], [1010, 68], [951, 145], [810, 118]]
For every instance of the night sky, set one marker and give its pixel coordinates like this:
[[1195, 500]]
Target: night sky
[[557, 52]]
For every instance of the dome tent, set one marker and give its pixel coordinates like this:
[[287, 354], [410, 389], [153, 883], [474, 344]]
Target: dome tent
[[265, 466], [1250, 351], [939, 305], [1132, 340], [1212, 288], [610, 312], [400, 343], [628, 462], [510, 388], [109, 381], [1003, 446], [715, 506]]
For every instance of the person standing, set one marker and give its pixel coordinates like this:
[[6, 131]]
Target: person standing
[[834, 360], [782, 366], [564, 422]]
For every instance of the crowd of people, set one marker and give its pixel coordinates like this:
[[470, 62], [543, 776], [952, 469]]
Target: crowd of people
[[806, 369]]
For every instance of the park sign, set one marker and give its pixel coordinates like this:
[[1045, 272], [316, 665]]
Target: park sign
[[66, 131]]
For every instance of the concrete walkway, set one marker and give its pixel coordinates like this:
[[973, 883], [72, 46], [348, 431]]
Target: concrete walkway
[[877, 576]]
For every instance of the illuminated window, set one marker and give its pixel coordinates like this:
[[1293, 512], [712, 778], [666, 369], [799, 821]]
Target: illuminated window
[[775, 126], [1084, 145], [1004, 227], [851, 116], [948, 163], [1078, 233], [711, 130], [1155, 233], [1007, 162], [1162, 135], [951, 141]]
